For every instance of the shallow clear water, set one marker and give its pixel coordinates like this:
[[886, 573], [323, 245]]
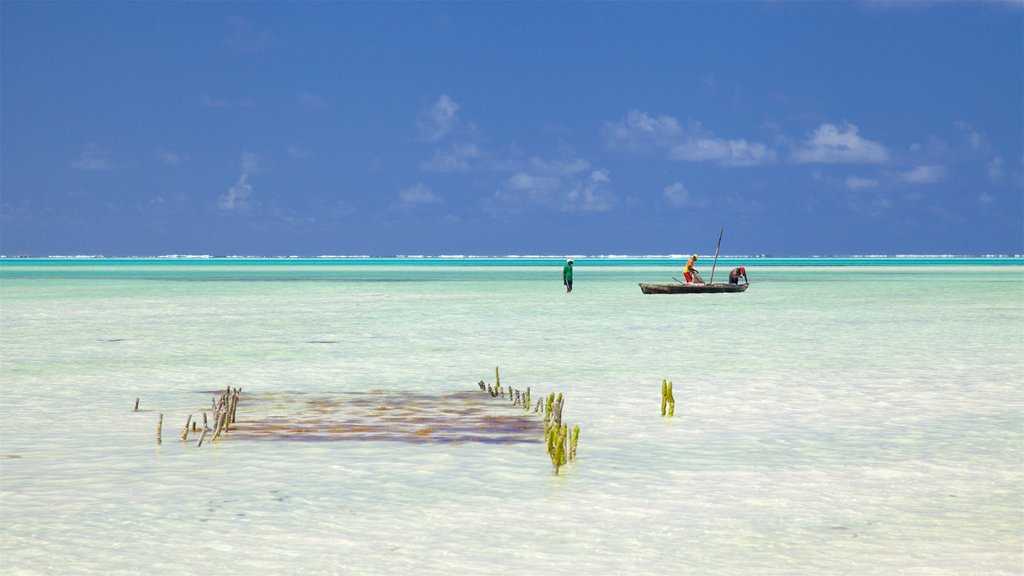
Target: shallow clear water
[[840, 417]]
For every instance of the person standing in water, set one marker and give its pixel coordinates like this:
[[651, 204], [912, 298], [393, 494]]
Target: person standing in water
[[690, 273], [567, 275], [736, 273]]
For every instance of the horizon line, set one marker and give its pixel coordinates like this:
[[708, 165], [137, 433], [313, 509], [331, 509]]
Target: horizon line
[[485, 257]]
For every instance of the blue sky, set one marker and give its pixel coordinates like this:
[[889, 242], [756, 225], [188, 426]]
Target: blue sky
[[491, 128]]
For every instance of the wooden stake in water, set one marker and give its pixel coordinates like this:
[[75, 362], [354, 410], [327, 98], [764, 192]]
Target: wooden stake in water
[[136, 405], [671, 401], [664, 395], [159, 429], [219, 425], [232, 406], [184, 433]]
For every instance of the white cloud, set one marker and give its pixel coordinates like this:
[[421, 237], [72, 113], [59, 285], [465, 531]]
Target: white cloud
[[92, 158], [171, 158], [996, 169], [971, 136], [985, 199], [724, 152], [237, 198], [638, 131], [297, 153], [543, 178], [839, 145], [560, 168], [439, 120], [881, 204], [556, 185], [591, 195], [676, 194], [417, 195], [456, 160], [857, 183], [924, 174], [532, 183]]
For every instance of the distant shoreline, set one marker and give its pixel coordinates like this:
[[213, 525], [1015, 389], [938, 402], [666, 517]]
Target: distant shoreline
[[513, 257]]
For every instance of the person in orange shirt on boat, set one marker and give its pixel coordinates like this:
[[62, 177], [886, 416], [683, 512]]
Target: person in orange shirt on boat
[[734, 275], [690, 273]]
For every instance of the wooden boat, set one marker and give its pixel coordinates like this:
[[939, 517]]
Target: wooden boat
[[691, 288], [700, 288]]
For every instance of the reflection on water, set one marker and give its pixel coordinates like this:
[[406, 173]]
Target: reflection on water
[[381, 415]]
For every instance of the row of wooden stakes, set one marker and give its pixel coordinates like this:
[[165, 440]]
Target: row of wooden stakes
[[223, 408], [560, 444]]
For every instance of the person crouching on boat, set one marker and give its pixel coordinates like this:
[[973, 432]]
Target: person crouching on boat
[[734, 275], [690, 273]]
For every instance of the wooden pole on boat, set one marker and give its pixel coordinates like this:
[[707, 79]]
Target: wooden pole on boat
[[715, 263]]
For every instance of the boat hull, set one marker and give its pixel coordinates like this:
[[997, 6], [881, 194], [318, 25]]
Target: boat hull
[[691, 288]]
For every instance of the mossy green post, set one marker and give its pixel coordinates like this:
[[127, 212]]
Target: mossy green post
[[664, 395], [562, 436], [575, 440], [557, 447], [671, 401]]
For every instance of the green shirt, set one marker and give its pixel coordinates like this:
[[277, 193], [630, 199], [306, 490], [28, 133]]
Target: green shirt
[[567, 273]]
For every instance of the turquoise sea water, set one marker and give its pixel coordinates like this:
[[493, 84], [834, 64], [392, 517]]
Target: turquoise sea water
[[843, 416]]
